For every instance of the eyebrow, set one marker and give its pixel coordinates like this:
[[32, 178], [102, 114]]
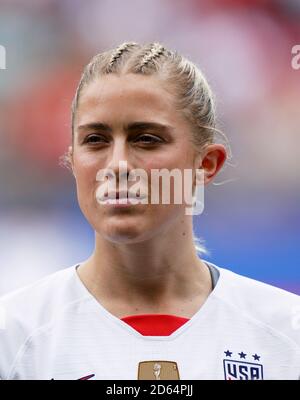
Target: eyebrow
[[134, 126]]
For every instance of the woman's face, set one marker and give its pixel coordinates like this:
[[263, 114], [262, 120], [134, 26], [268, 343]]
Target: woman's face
[[108, 130]]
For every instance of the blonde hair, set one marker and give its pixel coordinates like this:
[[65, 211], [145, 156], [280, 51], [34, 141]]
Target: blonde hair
[[192, 91], [193, 95]]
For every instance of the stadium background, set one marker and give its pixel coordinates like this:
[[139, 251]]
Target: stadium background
[[251, 221]]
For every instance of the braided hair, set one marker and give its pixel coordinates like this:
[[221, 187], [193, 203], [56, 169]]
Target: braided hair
[[117, 54], [156, 50]]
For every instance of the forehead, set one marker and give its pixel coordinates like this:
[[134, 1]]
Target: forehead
[[117, 100]]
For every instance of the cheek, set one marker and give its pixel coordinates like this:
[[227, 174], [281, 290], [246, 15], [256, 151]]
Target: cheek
[[84, 161], [85, 169], [177, 157]]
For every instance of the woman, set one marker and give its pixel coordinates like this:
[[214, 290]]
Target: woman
[[145, 305]]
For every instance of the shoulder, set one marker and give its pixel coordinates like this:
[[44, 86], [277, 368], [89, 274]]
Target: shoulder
[[42, 297], [25, 310], [270, 307]]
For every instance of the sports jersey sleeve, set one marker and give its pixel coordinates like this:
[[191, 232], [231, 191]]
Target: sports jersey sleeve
[[12, 336]]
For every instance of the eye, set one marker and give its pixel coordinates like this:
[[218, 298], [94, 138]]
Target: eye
[[94, 139], [148, 139]]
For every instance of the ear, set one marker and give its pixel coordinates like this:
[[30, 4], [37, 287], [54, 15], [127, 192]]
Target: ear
[[212, 160]]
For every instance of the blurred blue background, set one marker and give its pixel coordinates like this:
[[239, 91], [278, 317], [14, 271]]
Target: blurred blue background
[[251, 219]]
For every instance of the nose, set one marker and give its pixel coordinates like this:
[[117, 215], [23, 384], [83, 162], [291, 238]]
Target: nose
[[119, 161]]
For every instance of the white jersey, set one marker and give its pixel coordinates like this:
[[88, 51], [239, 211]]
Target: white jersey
[[55, 329]]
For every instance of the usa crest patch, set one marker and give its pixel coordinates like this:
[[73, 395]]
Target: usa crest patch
[[242, 368]]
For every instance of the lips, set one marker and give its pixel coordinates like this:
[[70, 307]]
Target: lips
[[121, 195]]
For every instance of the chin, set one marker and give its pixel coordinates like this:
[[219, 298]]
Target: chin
[[124, 232], [123, 237]]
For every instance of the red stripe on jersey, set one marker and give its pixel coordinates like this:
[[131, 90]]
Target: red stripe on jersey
[[155, 324]]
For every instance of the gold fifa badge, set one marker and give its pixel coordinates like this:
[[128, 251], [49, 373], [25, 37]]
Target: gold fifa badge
[[158, 370]]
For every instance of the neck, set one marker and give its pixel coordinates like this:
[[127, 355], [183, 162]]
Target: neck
[[159, 271]]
